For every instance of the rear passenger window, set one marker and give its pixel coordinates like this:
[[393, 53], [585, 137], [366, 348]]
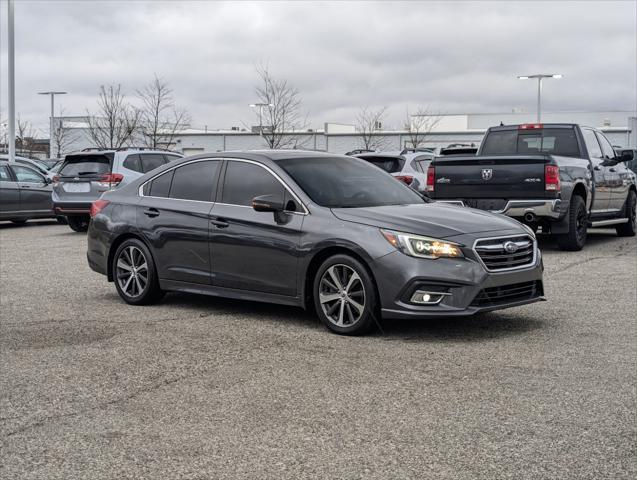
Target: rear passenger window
[[4, 175], [195, 181], [244, 181], [160, 187], [150, 161], [133, 163]]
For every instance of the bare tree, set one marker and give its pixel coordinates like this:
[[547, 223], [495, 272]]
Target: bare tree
[[62, 137], [420, 125], [25, 136], [368, 123], [116, 122], [278, 111], [160, 119]]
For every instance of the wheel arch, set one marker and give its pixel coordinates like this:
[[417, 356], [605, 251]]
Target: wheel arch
[[115, 245], [317, 260]]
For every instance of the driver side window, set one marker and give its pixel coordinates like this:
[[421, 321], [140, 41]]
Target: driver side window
[[244, 181], [26, 175], [594, 151], [607, 148]]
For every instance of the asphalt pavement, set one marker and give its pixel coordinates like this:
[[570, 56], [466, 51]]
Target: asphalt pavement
[[206, 388]]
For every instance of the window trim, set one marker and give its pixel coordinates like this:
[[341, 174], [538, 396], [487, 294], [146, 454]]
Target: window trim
[[140, 190], [274, 174]]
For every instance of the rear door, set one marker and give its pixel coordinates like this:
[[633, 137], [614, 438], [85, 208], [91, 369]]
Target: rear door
[[35, 191], [174, 215], [9, 194], [601, 173]]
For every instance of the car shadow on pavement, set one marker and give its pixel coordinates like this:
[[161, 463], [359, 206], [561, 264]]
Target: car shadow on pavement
[[476, 328], [29, 224], [595, 237]]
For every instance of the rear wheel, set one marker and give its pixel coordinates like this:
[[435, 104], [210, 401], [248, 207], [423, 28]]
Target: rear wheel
[[575, 238], [344, 295], [630, 212], [78, 223], [135, 274]]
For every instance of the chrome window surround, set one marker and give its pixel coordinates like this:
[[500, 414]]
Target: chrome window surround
[[140, 191], [525, 266]]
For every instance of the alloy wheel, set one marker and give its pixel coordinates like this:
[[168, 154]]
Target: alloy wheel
[[342, 295], [132, 271]]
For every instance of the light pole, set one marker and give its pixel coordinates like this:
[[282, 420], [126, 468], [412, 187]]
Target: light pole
[[539, 77], [51, 126], [261, 105], [11, 82]]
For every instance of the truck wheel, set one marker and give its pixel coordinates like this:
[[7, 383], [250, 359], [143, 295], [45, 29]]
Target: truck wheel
[[78, 223], [630, 211], [575, 238]]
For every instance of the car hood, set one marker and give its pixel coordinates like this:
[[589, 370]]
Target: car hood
[[430, 219]]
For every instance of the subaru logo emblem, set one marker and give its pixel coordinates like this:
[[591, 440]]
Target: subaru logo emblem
[[510, 247], [487, 173]]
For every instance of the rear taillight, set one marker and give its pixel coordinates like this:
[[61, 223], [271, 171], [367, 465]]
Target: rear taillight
[[97, 206], [531, 126], [552, 178], [56, 179], [406, 179], [431, 177], [110, 180]]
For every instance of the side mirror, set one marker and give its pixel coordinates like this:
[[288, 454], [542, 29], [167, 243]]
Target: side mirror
[[268, 203], [48, 181], [627, 156]]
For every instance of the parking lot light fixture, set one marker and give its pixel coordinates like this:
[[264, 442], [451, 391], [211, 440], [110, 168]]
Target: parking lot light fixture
[[51, 125], [540, 77], [260, 107]]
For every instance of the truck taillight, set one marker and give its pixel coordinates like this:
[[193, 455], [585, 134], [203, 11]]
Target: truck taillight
[[531, 126], [110, 180], [56, 179], [431, 178], [406, 179], [97, 206], [552, 178]]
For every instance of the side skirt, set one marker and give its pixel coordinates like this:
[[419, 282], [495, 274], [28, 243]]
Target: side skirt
[[211, 290]]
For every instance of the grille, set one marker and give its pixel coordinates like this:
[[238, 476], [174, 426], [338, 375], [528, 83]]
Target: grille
[[508, 293], [506, 253]]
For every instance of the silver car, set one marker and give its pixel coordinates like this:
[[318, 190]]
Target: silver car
[[85, 176], [409, 168]]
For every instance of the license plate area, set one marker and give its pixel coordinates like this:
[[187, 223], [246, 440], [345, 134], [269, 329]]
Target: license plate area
[[79, 187]]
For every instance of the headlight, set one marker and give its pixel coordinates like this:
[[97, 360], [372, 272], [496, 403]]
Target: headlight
[[422, 247]]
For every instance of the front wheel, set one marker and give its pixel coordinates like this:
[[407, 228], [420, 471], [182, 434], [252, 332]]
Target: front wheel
[[78, 223], [135, 274], [344, 295], [575, 239], [630, 210]]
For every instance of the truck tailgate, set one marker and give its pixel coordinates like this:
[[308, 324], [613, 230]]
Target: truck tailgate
[[489, 177]]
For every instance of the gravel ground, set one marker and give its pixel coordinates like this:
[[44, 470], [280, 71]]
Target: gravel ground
[[202, 388]]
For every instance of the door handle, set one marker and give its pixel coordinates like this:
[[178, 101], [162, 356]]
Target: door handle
[[597, 168], [220, 223], [151, 212], [612, 170]]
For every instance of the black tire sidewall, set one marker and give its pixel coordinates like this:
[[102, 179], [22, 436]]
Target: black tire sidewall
[[152, 291], [78, 224], [371, 301], [628, 229], [571, 241]]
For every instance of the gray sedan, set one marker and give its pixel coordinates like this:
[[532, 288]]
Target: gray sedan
[[24, 193]]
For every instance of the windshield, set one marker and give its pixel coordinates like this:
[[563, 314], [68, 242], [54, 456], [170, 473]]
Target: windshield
[[344, 182], [83, 165], [553, 141]]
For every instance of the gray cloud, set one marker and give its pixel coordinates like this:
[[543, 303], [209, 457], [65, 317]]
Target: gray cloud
[[452, 56]]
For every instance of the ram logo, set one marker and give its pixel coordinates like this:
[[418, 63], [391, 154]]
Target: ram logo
[[443, 180], [533, 180], [487, 173]]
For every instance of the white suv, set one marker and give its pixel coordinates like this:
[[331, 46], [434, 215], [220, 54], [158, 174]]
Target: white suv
[[84, 176]]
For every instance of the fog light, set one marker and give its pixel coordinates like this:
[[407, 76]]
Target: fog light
[[428, 298]]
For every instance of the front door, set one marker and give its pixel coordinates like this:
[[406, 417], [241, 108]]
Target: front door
[[255, 251], [601, 173], [9, 195], [35, 191], [174, 217]]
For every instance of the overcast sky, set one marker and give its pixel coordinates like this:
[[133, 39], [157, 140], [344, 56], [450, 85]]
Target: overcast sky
[[455, 57]]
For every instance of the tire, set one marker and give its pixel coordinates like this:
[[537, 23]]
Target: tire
[[352, 304], [79, 223], [575, 239], [630, 212], [20, 221], [61, 220], [135, 275]]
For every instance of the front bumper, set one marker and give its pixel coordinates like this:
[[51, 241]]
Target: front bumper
[[519, 208], [468, 287]]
